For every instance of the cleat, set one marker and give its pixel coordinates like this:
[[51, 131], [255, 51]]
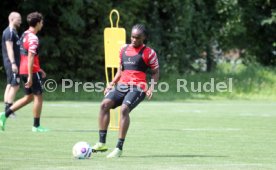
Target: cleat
[[2, 121], [39, 129], [99, 147], [116, 153]]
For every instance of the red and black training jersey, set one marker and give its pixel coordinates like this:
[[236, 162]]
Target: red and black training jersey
[[29, 44], [134, 63]]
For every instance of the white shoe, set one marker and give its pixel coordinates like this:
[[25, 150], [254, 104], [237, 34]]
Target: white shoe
[[115, 153]]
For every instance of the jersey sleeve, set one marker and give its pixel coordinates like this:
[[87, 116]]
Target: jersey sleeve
[[33, 43], [7, 35], [152, 60]]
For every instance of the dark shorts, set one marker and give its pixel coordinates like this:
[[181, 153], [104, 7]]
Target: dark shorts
[[37, 87], [12, 78], [124, 94]]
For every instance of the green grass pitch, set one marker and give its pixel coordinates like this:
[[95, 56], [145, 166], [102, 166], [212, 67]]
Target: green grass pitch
[[194, 135]]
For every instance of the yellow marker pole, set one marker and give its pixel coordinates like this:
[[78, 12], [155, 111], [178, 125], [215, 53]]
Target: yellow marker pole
[[114, 39]]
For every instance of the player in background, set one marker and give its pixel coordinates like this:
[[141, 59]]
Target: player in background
[[30, 72], [130, 87], [11, 58]]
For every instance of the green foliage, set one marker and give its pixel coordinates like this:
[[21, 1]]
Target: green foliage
[[180, 30], [259, 36], [270, 20], [232, 30]]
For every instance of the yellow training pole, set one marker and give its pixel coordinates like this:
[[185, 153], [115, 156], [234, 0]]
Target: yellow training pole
[[114, 39]]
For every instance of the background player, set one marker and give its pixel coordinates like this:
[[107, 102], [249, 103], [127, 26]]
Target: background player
[[30, 72], [11, 58]]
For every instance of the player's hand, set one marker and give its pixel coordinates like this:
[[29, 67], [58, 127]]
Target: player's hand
[[149, 93], [29, 82], [108, 88], [14, 68], [43, 74]]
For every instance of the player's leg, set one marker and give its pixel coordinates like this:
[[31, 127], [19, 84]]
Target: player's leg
[[11, 93], [124, 124], [104, 115], [38, 102], [11, 96], [6, 94], [23, 101], [104, 118], [37, 108], [12, 87], [8, 70], [132, 99], [20, 103], [112, 99], [8, 86], [16, 106]]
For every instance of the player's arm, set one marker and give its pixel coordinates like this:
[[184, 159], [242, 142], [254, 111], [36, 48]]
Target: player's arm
[[116, 77], [9, 45], [43, 73], [154, 65], [114, 81], [30, 69], [154, 80]]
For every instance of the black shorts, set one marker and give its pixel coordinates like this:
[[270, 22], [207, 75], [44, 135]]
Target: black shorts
[[12, 78], [37, 87], [128, 95]]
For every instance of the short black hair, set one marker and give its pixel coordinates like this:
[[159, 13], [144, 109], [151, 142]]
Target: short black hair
[[34, 18], [143, 29]]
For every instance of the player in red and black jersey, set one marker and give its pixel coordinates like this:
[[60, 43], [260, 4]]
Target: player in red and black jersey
[[30, 72], [130, 87]]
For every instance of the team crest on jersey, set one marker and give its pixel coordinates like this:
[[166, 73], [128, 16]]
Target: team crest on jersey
[[129, 62]]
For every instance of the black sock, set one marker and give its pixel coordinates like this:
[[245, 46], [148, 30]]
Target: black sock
[[8, 112], [102, 135], [7, 106], [120, 143], [36, 122]]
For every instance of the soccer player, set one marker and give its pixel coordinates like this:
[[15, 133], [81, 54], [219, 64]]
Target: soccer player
[[30, 72], [11, 58], [131, 87]]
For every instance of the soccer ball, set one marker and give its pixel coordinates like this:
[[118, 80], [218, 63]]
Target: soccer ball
[[82, 150]]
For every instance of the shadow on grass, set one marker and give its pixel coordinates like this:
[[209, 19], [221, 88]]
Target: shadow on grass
[[180, 156]]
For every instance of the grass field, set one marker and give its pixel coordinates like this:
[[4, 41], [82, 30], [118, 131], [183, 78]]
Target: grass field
[[196, 135]]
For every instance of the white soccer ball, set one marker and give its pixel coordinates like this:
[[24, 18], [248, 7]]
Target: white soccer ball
[[82, 150]]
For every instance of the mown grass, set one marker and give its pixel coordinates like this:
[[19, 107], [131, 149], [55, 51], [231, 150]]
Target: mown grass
[[194, 135]]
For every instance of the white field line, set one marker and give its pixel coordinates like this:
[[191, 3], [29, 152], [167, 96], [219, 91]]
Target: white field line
[[236, 103], [211, 129]]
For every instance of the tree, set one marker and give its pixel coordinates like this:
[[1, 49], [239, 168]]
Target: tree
[[260, 32], [180, 31]]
